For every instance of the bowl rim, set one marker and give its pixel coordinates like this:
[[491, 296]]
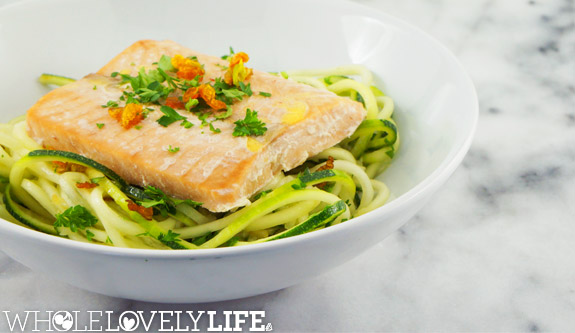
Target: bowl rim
[[433, 180]]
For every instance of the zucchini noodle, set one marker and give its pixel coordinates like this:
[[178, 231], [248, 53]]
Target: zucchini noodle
[[332, 187]]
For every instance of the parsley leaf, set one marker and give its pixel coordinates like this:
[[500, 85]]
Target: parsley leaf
[[247, 89], [191, 103], [170, 239], [250, 125], [76, 218], [165, 64], [163, 204], [89, 235], [213, 129], [227, 56], [229, 93], [233, 93], [186, 124], [170, 116], [100, 125], [173, 150], [110, 104], [265, 94], [224, 115], [147, 86]]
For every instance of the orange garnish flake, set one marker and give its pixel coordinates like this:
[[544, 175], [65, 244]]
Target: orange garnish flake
[[116, 113], [146, 213], [208, 94], [187, 68], [327, 166], [191, 93], [175, 103], [86, 185], [61, 167], [127, 116], [239, 57], [237, 72], [178, 61]]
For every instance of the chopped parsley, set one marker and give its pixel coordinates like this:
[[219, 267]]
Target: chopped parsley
[[147, 87], [170, 239], [265, 94], [250, 125], [227, 56], [162, 203], [164, 82], [100, 125], [191, 103], [173, 150], [246, 88], [110, 104], [228, 93], [186, 124], [76, 218], [89, 235], [170, 116], [226, 114], [213, 129], [165, 64]]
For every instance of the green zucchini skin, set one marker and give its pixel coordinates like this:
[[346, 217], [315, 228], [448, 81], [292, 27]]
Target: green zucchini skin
[[135, 192], [66, 156], [315, 221], [313, 177], [374, 126], [21, 215], [319, 219]]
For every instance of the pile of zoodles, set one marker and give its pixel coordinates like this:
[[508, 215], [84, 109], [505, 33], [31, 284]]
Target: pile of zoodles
[[40, 188]]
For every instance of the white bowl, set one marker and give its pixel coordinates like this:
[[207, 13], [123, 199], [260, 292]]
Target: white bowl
[[436, 112]]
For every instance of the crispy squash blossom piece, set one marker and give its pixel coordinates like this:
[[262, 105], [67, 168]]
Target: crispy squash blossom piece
[[146, 212], [208, 94], [237, 72], [191, 93], [174, 102], [127, 116], [188, 69]]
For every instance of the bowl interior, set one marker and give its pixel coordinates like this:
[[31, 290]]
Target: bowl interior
[[73, 38], [436, 111]]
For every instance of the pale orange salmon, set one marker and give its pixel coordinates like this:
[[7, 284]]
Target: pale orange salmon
[[217, 169]]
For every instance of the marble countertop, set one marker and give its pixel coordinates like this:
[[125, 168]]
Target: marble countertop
[[494, 250]]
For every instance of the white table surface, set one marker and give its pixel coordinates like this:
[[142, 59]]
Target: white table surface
[[494, 250]]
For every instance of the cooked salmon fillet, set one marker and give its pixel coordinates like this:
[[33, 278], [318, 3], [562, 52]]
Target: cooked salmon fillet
[[217, 169]]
